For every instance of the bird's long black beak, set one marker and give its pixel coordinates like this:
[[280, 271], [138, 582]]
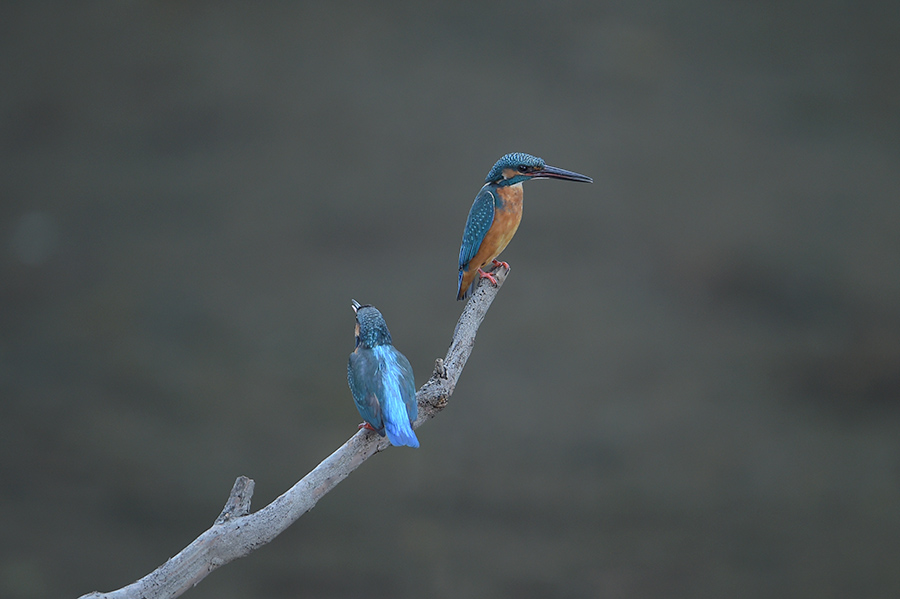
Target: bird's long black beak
[[551, 172], [355, 305]]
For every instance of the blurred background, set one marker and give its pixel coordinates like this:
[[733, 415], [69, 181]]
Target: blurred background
[[689, 386]]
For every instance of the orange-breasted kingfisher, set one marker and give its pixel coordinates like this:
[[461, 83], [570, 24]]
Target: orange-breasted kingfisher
[[381, 380], [496, 214]]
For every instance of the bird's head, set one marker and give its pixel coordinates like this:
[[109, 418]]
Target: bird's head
[[371, 329], [518, 167]]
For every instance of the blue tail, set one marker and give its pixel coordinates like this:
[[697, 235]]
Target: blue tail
[[401, 434]]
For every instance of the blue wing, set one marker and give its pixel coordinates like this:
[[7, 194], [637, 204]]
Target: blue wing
[[398, 402], [481, 216], [366, 387], [407, 387]]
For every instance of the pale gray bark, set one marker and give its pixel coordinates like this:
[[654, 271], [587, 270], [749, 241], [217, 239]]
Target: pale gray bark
[[237, 532]]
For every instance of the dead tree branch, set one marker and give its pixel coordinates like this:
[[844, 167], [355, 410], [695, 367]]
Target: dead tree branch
[[237, 532]]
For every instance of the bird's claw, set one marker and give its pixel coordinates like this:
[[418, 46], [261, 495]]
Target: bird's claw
[[499, 263], [486, 275], [366, 425]]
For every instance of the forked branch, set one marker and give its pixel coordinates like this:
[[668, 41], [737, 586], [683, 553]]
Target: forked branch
[[237, 532]]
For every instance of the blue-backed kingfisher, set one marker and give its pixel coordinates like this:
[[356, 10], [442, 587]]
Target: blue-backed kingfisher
[[381, 380], [496, 213]]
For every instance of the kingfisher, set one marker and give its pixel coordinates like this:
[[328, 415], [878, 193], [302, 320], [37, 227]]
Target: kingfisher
[[496, 213], [381, 380]]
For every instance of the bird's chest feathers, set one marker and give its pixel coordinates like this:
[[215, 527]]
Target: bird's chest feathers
[[507, 214]]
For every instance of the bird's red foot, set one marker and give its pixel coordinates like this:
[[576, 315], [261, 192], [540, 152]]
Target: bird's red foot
[[366, 425], [488, 276], [501, 263]]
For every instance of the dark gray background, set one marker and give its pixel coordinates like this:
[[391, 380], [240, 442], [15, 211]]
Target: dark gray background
[[688, 387]]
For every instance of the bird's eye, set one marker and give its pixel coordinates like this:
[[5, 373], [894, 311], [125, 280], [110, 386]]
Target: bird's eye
[[523, 168]]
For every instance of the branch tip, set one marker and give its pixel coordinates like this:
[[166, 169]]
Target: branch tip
[[440, 371], [238, 503]]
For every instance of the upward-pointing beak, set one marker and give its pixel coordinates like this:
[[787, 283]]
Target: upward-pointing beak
[[551, 172], [355, 305]]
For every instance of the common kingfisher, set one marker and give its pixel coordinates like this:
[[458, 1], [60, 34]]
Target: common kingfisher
[[381, 380], [496, 213]]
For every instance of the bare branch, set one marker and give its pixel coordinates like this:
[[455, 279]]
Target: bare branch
[[237, 532]]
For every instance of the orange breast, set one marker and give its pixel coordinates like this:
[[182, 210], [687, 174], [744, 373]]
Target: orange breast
[[506, 221]]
